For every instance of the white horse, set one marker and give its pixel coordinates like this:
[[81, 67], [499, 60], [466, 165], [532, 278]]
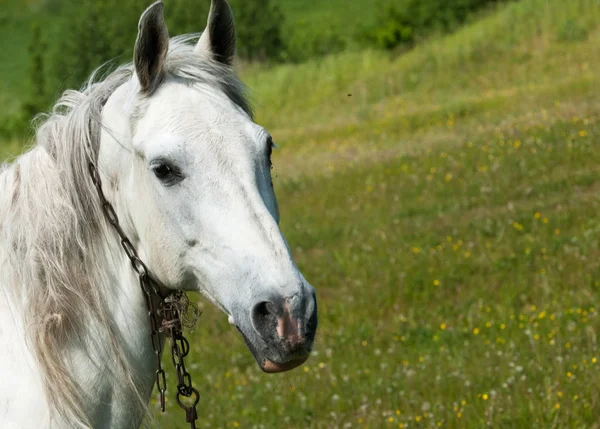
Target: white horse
[[188, 173]]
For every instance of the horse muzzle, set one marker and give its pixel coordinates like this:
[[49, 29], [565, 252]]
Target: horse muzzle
[[280, 331]]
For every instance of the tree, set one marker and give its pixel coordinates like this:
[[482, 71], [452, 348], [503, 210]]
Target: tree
[[258, 25], [88, 33], [37, 96]]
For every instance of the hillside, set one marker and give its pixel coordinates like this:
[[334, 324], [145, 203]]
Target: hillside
[[444, 203]]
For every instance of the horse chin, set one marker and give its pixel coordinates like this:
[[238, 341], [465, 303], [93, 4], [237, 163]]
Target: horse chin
[[272, 366]]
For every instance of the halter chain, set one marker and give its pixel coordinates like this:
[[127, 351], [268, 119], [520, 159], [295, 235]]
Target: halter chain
[[173, 310]]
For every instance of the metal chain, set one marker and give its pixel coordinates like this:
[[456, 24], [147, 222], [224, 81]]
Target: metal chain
[[170, 312]]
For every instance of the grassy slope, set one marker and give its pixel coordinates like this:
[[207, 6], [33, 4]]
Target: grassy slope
[[447, 214], [413, 207]]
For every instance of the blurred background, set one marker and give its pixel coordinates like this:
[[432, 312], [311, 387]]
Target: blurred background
[[439, 184]]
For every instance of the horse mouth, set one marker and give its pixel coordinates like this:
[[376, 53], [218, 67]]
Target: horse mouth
[[272, 366]]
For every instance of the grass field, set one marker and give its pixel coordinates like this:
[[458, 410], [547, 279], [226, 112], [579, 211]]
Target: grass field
[[445, 205]]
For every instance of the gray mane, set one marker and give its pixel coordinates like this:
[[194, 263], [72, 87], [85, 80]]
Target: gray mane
[[54, 231]]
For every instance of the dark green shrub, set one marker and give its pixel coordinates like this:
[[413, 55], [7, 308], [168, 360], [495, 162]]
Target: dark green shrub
[[17, 123], [88, 34], [91, 32], [185, 17], [394, 27], [443, 15], [37, 96], [403, 22], [258, 24], [303, 42]]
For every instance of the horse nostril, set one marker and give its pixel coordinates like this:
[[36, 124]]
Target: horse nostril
[[264, 318]]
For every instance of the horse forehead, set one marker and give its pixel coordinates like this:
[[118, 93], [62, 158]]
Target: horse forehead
[[194, 105], [199, 116]]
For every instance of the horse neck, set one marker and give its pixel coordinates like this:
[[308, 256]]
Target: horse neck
[[117, 334], [127, 311]]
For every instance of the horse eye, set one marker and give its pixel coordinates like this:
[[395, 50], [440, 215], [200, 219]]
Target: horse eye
[[270, 153], [166, 173], [270, 146], [163, 171]]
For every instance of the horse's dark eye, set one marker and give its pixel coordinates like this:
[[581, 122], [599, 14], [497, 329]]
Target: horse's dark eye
[[269, 153], [270, 146], [166, 173], [163, 171]]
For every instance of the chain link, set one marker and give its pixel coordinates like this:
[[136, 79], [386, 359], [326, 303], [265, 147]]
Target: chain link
[[170, 313]]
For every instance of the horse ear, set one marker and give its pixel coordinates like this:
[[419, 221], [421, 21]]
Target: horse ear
[[218, 39], [151, 47]]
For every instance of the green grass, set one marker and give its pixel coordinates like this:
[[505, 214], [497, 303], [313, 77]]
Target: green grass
[[447, 213]]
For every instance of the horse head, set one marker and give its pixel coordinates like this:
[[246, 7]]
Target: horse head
[[189, 173]]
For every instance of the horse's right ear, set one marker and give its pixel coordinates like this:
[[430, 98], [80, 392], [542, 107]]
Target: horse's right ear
[[151, 48], [218, 40]]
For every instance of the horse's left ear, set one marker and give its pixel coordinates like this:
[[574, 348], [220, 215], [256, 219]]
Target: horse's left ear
[[151, 47], [218, 39]]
